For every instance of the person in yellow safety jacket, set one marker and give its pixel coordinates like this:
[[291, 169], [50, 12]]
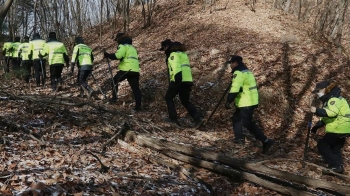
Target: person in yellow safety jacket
[[129, 68], [244, 93], [82, 55], [180, 81], [57, 56], [335, 116], [16, 61], [7, 52], [39, 64], [26, 58]]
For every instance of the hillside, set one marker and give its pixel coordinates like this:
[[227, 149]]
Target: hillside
[[285, 57]]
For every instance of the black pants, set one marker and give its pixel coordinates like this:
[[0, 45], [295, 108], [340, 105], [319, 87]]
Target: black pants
[[134, 82], [244, 117], [184, 91], [56, 75], [78, 76], [83, 75], [40, 70], [7, 60], [330, 146], [16, 63], [27, 67]]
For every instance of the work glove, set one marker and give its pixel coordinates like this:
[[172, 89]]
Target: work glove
[[318, 125], [313, 109], [227, 106]]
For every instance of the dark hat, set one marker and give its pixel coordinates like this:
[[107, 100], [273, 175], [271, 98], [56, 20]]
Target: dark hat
[[17, 39], [235, 58], [52, 35], [36, 36], [321, 85], [79, 40], [118, 36], [164, 44]]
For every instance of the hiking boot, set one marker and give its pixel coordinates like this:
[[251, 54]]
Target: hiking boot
[[59, 87], [339, 169], [86, 92], [239, 141], [198, 123], [267, 145], [90, 91], [173, 121], [137, 108]]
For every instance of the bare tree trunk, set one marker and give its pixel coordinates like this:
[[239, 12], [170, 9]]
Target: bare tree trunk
[[124, 15], [35, 5], [144, 14], [78, 19], [128, 15], [101, 10], [287, 6], [3, 11], [339, 21], [299, 9]]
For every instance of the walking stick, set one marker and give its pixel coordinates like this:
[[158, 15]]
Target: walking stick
[[217, 105], [42, 71], [104, 95], [309, 125], [111, 73]]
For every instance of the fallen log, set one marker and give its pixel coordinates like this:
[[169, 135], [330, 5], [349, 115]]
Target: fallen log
[[171, 149], [160, 160]]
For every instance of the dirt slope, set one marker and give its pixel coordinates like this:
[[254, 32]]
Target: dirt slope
[[285, 58]]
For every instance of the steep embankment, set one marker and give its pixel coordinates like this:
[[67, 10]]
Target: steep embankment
[[284, 58]]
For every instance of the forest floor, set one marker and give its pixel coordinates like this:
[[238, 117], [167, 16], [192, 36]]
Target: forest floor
[[285, 57]]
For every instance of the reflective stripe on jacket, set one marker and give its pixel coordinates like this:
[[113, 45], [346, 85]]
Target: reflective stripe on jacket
[[24, 50], [8, 47], [82, 54], [15, 46], [55, 49], [128, 58], [179, 62], [244, 83], [36, 46], [338, 120]]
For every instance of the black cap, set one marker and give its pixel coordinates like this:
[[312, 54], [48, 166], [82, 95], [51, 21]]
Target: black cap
[[26, 38], [164, 44], [79, 40], [235, 58], [52, 35], [321, 85], [118, 36], [36, 36]]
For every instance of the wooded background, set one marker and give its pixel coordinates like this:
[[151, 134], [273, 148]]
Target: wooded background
[[330, 18]]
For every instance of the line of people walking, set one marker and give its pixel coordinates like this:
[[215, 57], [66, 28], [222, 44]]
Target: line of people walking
[[243, 91]]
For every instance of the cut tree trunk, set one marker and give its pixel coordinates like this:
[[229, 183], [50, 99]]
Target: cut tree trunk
[[239, 169]]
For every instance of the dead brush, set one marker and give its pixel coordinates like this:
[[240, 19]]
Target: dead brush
[[272, 100]]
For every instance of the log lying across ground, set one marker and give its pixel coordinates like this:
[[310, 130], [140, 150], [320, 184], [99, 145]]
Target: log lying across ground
[[256, 172]]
